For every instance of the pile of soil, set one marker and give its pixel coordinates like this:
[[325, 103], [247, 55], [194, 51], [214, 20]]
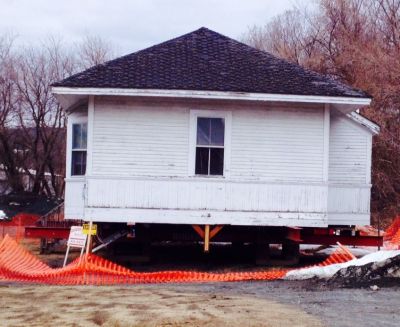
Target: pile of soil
[[385, 273]]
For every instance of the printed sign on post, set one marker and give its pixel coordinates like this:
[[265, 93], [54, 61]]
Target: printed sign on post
[[77, 238], [86, 228]]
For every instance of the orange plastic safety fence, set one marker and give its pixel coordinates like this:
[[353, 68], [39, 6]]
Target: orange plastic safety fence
[[394, 242], [392, 229], [16, 264]]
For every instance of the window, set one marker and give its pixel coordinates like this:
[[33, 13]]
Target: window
[[210, 146], [79, 149]]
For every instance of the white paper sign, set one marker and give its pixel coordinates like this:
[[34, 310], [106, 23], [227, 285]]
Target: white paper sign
[[76, 237]]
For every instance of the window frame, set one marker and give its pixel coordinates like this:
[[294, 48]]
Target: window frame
[[75, 119], [79, 149], [227, 116]]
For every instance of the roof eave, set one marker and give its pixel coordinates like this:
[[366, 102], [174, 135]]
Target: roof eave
[[371, 126], [355, 102]]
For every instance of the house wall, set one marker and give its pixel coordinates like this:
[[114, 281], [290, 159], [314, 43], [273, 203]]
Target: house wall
[[139, 140], [140, 163], [349, 172], [349, 152], [143, 139], [284, 144], [139, 167]]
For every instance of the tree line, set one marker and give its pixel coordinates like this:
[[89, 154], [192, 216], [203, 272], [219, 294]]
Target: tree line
[[358, 42], [32, 123]]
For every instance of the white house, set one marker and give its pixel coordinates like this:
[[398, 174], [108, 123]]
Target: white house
[[205, 130]]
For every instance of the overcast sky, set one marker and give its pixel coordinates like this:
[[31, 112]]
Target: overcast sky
[[135, 24]]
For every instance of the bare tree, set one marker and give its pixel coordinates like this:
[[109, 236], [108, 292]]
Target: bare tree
[[32, 123], [92, 51], [9, 101], [41, 119], [289, 35]]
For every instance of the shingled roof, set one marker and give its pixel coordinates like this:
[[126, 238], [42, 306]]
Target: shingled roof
[[208, 61]]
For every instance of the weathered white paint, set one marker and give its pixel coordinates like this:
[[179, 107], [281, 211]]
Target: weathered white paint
[[350, 148], [278, 145], [349, 172], [210, 217], [212, 194], [327, 129], [74, 198], [140, 139], [214, 95], [284, 144], [140, 154], [371, 126], [349, 204]]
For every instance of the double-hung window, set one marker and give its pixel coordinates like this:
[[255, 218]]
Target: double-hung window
[[79, 149], [210, 141]]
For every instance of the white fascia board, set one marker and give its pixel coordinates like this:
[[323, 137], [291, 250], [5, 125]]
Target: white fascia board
[[211, 95], [374, 128]]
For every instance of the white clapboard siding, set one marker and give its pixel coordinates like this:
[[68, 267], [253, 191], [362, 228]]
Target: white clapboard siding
[[74, 198], [194, 201], [131, 139], [152, 140], [200, 195], [349, 150], [284, 144], [349, 205]]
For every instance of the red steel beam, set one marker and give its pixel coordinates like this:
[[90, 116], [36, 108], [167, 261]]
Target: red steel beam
[[294, 234], [47, 232], [346, 240]]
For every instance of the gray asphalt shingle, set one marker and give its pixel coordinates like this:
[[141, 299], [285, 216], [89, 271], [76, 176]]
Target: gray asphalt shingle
[[206, 60]]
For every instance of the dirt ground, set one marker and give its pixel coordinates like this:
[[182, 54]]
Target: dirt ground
[[142, 306], [280, 303]]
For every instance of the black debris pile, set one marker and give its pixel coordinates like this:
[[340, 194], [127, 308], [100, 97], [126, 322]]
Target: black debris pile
[[382, 274]]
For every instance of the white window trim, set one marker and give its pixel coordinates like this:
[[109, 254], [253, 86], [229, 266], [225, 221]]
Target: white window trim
[[227, 116], [73, 119]]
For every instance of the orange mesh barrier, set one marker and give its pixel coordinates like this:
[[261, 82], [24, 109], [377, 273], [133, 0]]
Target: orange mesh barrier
[[392, 235], [17, 264], [394, 242], [392, 229]]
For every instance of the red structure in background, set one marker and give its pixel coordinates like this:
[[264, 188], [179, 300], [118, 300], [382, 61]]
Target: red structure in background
[[16, 226]]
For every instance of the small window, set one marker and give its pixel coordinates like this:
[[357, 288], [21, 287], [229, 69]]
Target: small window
[[210, 146], [79, 149]]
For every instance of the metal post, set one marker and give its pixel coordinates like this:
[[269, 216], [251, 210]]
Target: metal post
[[379, 230], [207, 238], [89, 239], [66, 256]]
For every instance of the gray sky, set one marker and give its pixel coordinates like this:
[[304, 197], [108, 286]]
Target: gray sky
[[132, 25]]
